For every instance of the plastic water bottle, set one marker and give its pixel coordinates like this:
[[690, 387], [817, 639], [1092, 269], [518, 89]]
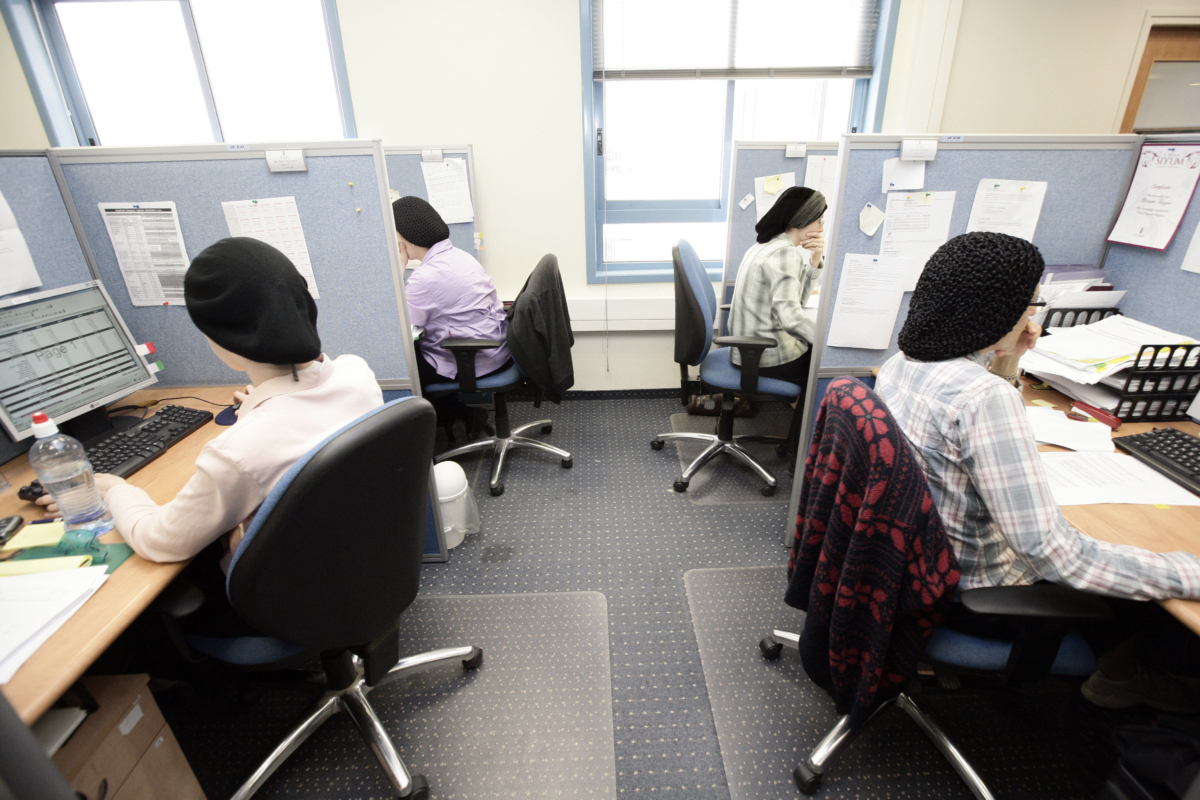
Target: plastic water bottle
[[64, 471]]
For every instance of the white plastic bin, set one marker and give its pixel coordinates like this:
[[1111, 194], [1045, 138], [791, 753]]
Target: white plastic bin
[[460, 515]]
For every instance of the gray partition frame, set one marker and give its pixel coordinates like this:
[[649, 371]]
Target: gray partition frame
[[743, 170], [222, 152], [452, 151], [1090, 205]]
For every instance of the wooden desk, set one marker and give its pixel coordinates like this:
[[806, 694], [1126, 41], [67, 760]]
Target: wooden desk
[[129, 589], [1162, 530]]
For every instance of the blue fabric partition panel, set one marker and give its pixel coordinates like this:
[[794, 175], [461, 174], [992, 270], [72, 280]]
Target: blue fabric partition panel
[[404, 176], [1086, 177], [27, 183], [339, 199], [1160, 293]]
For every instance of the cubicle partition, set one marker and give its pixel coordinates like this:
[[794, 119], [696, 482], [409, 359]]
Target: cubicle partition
[[405, 177], [344, 209]]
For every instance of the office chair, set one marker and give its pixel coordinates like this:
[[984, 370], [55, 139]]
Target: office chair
[[319, 573], [1044, 643], [530, 367], [695, 309]]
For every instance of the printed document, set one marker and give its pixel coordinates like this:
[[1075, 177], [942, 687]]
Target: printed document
[[820, 173], [276, 221], [17, 271], [901, 175], [1011, 207], [149, 246], [915, 228], [33, 607], [768, 188], [448, 189], [1051, 426], [1081, 479], [868, 301], [1191, 260], [1162, 187]]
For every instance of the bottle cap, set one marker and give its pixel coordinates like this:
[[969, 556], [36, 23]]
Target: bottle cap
[[43, 426]]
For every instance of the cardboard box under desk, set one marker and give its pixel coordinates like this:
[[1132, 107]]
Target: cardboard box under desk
[[125, 750]]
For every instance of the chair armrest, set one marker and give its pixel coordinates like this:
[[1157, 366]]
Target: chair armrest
[[726, 306], [750, 348], [464, 351]]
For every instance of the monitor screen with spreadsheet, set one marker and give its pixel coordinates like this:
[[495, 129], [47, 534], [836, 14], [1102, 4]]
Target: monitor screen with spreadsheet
[[65, 352]]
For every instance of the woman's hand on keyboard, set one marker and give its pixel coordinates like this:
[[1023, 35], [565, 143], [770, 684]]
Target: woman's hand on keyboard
[[104, 482]]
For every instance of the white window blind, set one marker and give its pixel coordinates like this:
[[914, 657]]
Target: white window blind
[[648, 39]]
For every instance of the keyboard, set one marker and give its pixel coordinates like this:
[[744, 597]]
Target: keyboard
[[124, 453], [1173, 453]]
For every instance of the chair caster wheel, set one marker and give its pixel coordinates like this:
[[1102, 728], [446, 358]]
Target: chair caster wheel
[[474, 661], [681, 486], [781, 451], [567, 463], [548, 428], [656, 444], [768, 491], [420, 788], [770, 648], [496, 490], [808, 781]]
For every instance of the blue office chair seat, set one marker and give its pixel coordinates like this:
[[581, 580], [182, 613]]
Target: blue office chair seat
[[263, 652], [718, 371], [505, 380], [952, 648]]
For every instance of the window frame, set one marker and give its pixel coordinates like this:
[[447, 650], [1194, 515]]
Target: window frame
[[598, 211], [54, 44]]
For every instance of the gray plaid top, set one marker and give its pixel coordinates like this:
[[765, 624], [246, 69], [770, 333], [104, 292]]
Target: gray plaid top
[[773, 283], [970, 432]]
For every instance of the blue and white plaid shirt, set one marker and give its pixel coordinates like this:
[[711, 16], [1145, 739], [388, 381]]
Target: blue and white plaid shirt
[[971, 434], [773, 284]]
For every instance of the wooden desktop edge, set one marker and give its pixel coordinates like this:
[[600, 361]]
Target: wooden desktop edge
[[130, 589]]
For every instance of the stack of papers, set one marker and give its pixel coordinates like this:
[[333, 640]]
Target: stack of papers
[[33, 607], [1051, 426], [1087, 354], [1078, 479]]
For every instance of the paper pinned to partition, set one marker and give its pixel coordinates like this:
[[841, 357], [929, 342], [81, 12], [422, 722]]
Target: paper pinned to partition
[[868, 301], [820, 173], [1191, 260], [276, 221], [17, 271], [1159, 194], [1011, 207], [448, 189], [764, 198], [903, 175], [795, 151], [870, 218], [916, 228], [148, 243]]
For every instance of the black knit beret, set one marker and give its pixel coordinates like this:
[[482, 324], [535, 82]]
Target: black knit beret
[[418, 222], [972, 292], [249, 298], [797, 207]]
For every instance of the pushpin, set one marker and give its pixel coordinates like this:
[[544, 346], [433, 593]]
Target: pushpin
[[351, 183], [357, 210]]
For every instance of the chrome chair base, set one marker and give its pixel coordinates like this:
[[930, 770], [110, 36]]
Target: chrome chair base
[[500, 445], [353, 700], [715, 447]]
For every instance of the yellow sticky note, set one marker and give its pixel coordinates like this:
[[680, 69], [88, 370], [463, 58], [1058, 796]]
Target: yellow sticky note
[[772, 184], [1045, 403], [36, 536], [1160, 505], [32, 565], [925, 199]]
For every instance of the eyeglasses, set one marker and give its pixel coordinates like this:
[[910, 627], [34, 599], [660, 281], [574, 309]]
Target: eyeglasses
[[1038, 304]]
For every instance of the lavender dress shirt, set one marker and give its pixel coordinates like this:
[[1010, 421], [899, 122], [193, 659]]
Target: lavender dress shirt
[[450, 296]]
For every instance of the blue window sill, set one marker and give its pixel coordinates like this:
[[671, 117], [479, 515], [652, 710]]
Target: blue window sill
[[646, 272]]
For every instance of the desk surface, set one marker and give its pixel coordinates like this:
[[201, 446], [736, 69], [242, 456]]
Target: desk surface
[[129, 590], [1162, 530]]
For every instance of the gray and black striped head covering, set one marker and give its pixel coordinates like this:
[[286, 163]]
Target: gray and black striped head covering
[[796, 207]]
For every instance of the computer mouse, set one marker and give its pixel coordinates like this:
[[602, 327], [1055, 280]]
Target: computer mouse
[[228, 416]]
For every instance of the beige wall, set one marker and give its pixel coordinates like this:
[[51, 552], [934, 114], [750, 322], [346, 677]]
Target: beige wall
[[20, 125]]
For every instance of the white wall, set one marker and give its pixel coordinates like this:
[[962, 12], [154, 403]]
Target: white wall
[[505, 78], [20, 125]]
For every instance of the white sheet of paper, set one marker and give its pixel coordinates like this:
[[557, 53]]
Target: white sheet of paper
[[820, 173], [286, 161], [149, 246], [763, 199], [1051, 426], [795, 151], [1011, 207], [448, 189], [746, 201], [918, 149], [1078, 479], [1191, 260], [276, 221], [868, 301], [17, 271], [901, 175], [914, 229], [431, 155], [870, 218], [1158, 196], [33, 607]]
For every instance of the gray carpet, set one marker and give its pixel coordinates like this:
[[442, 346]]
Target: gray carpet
[[769, 716], [725, 480]]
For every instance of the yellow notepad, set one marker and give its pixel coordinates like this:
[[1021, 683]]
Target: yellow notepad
[[36, 536], [32, 565]]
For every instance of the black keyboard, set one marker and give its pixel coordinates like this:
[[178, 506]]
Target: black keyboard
[[1173, 453], [124, 453]]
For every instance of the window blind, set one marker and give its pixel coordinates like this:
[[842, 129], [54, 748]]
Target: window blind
[[657, 39]]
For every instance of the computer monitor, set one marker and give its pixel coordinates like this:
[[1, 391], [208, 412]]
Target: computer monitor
[[66, 352]]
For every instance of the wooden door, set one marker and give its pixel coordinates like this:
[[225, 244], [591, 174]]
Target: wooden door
[[1165, 43]]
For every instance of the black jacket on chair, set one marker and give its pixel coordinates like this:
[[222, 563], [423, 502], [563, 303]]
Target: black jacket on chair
[[539, 331]]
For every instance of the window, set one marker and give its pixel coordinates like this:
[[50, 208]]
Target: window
[[155, 72], [673, 83]]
